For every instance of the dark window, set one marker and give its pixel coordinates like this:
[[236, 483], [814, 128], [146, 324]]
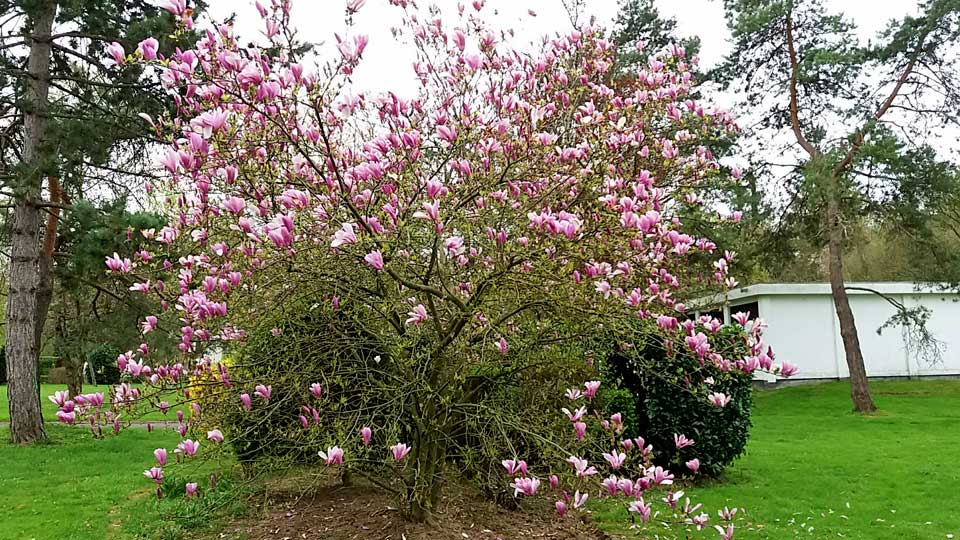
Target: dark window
[[716, 314], [752, 308]]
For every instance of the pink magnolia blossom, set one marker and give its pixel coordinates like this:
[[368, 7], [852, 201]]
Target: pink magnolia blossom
[[366, 434], [514, 466], [117, 265], [699, 521], [177, 7], [344, 236], [374, 259], [788, 370], [235, 205], [693, 465], [187, 447], [263, 392], [672, 498], [191, 489], [527, 485], [59, 397], [580, 430], [333, 455], [725, 534], [615, 459], [682, 441], [149, 324], [641, 508], [610, 485], [581, 466], [215, 435], [115, 50], [148, 48], [590, 389], [616, 422], [719, 399], [561, 508], [660, 476], [399, 451], [155, 474], [161, 456], [418, 315], [576, 415], [245, 401]]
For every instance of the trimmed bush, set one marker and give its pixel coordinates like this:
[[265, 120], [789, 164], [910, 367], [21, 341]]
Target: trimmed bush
[[670, 396]]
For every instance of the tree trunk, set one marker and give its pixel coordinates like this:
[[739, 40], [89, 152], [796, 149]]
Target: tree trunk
[[425, 492], [72, 362], [429, 456], [26, 422], [74, 370], [859, 387], [45, 286]]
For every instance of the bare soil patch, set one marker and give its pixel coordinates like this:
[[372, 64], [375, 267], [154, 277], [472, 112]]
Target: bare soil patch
[[366, 513]]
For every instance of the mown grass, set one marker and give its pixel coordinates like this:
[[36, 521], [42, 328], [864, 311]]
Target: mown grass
[[75, 487], [814, 470]]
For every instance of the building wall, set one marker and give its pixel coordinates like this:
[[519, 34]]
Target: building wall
[[945, 325], [800, 332], [803, 329]]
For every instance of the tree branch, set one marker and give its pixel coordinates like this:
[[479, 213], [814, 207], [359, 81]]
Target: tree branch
[[794, 108]]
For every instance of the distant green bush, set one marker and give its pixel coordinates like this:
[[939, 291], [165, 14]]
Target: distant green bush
[[103, 359]]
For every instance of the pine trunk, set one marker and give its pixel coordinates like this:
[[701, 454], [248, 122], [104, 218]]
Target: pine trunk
[[859, 386], [26, 422], [45, 286]]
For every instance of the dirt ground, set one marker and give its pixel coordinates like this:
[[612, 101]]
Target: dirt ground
[[365, 513]]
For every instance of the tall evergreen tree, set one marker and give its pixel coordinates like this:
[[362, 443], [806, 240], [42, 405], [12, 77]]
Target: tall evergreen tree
[[70, 117], [640, 28], [857, 120]]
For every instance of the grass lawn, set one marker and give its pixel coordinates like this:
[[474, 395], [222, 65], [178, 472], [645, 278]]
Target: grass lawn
[[50, 410], [814, 470], [75, 488]]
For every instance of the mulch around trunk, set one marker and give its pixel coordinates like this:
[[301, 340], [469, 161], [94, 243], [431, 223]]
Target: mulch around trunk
[[366, 513]]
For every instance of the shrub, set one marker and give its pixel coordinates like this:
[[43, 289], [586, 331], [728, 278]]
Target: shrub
[[671, 399], [300, 343], [518, 202], [103, 359]]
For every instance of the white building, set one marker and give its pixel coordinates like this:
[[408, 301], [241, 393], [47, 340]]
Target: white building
[[804, 330]]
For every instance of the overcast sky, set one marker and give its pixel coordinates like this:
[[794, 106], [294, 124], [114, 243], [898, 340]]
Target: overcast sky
[[387, 66]]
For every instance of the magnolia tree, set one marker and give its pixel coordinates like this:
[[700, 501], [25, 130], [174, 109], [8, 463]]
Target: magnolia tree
[[517, 199]]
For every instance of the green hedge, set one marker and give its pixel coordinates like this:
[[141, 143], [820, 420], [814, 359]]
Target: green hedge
[[669, 397]]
